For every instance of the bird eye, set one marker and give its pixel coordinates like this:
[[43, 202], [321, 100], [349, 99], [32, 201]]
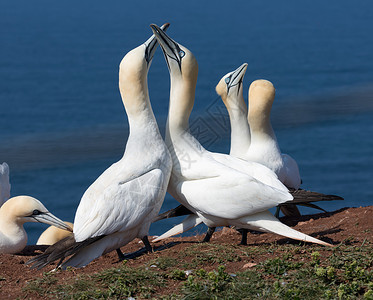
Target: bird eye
[[227, 80], [181, 53], [36, 212]]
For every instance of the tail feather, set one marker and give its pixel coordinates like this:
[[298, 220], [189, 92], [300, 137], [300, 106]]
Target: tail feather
[[188, 223], [181, 210], [300, 197], [59, 251], [304, 196], [312, 206], [265, 221]]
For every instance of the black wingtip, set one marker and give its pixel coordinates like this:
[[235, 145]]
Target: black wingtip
[[178, 211]]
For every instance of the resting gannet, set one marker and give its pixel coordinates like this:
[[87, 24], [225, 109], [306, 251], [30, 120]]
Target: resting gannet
[[220, 189], [4, 183], [17, 211], [53, 234], [121, 204]]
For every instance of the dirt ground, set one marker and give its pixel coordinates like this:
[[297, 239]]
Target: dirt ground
[[354, 225]]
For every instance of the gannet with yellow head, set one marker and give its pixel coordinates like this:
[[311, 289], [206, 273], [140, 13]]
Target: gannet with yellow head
[[220, 189], [264, 150], [264, 147], [121, 204], [230, 89], [54, 234], [17, 211]]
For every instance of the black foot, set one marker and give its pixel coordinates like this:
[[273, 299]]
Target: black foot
[[135, 254], [209, 234], [121, 256], [243, 232], [148, 247]]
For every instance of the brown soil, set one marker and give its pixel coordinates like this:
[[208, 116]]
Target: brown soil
[[348, 225]]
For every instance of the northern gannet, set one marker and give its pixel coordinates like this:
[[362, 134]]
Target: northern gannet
[[264, 147], [4, 183], [53, 234], [260, 144], [220, 189], [121, 204], [17, 211], [230, 90]]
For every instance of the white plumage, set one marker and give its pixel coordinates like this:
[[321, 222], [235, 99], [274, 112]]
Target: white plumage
[[17, 211], [220, 189], [264, 147], [120, 205]]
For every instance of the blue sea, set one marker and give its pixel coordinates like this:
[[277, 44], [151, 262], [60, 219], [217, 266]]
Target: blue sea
[[62, 122]]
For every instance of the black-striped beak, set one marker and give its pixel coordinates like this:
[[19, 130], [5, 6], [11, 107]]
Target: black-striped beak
[[171, 49], [151, 45], [48, 218], [236, 77]]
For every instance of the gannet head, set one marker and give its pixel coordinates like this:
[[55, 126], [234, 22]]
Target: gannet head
[[261, 97], [134, 67], [24, 209], [180, 61], [52, 235], [229, 87], [183, 69]]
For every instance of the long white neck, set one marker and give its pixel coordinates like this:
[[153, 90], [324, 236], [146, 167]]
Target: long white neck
[[240, 130], [13, 233], [182, 95], [135, 97], [261, 97], [260, 126]]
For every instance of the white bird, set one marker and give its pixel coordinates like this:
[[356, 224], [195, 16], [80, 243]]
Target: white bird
[[220, 189], [54, 234], [264, 147], [4, 183], [260, 144], [121, 204], [230, 90], [17, 211]]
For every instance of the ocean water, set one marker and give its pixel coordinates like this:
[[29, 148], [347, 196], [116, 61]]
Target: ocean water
[[62, 122]]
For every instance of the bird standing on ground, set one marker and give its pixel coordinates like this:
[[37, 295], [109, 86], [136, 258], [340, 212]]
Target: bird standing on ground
[[260, 144], [17, 211], [264, 147], [121, 204], [220, 189], [267, 151]]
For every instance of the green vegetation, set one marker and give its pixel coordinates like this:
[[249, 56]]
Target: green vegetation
[[200, 272], [114, 283]]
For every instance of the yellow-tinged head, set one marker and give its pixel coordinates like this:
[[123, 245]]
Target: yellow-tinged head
[[230, 89], [53, 234], [183, 68], [261, 97], [133, 71], [22, 209]]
